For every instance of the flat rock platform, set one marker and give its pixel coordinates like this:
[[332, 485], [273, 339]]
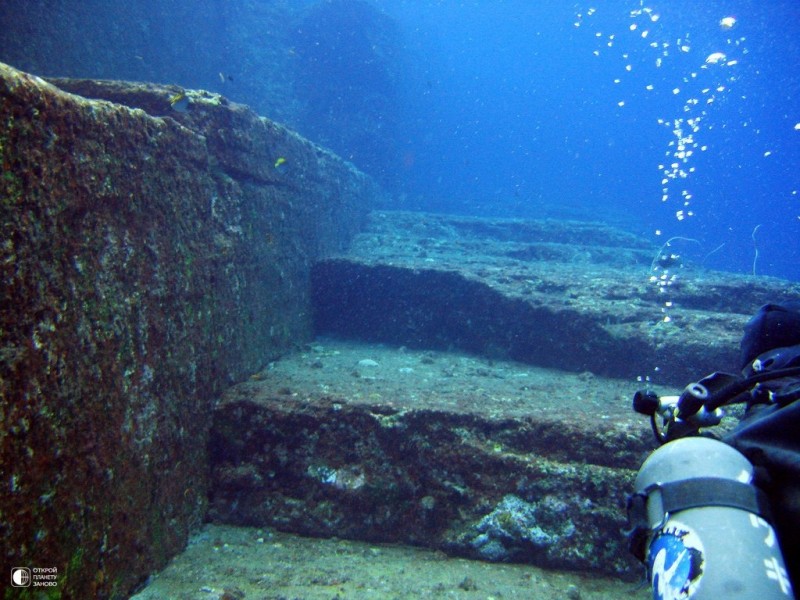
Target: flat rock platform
[[483, 458], [471, 388], [571, 295]]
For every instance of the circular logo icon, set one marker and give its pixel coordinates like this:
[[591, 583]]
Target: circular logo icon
[[677, 560], [20, 577]]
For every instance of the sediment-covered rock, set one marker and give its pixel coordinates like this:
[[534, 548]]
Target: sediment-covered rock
[[427, 453], [487, 459], [152, 254], [570, 295]]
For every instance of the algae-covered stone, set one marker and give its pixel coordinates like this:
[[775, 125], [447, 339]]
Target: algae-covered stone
[[148, 260]]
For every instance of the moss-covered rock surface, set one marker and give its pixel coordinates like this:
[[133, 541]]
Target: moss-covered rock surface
[[490, 459], [571, 295], [153, 253]]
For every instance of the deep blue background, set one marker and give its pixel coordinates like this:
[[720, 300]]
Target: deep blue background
[[507, 110], [490, 107]]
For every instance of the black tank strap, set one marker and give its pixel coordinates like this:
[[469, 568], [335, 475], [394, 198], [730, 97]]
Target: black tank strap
[[674, 496], [712, 491]]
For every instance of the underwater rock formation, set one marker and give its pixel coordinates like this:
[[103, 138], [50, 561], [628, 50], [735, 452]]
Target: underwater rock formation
[[479, 459], [153, 252], [573, 295], [533, 470]]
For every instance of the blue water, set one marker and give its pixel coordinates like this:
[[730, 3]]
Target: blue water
[[528, 108]]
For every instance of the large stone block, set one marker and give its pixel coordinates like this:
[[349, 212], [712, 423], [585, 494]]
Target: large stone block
[[150, 257], [569, 295], [487, 459]]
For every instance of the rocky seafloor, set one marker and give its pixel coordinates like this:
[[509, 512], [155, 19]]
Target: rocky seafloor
[[460, 454], [571, 295], [489, 459], [470, 392], [235, 563]]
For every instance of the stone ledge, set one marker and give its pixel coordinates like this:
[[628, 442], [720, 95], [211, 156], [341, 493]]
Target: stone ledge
[[492, 460], [569, 295]]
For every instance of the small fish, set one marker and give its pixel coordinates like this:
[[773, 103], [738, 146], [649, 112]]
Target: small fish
[[727, 22], [280, 164], [179, 102]]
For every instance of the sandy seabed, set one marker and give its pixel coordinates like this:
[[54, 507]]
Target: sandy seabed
[[230, 563]]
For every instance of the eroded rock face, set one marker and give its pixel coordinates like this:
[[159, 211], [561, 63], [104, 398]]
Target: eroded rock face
[[487, 459], [149, 258], [569, 295], [421, 450]]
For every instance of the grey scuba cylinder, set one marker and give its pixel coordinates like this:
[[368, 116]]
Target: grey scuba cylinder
[[709, 537]]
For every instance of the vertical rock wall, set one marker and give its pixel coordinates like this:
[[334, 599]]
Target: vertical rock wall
[[149, 258]]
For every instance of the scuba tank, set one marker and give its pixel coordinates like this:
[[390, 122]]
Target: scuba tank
[[702, 528], [700, 516]]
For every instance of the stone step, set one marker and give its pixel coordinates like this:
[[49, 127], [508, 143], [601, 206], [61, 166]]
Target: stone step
[[496, 422], [487, 459], [568, 295]]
